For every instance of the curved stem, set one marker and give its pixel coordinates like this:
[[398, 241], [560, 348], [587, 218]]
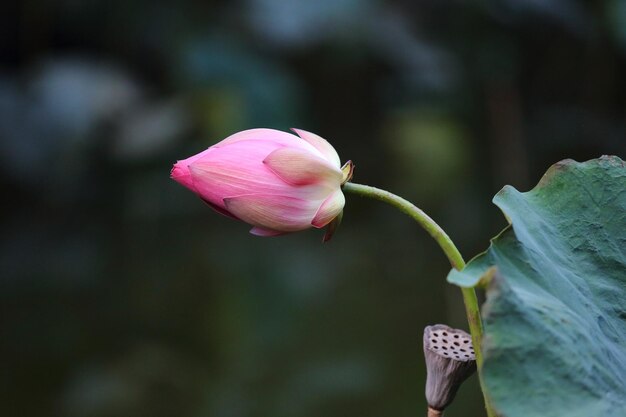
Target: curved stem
[[452, 253], [405, 206]]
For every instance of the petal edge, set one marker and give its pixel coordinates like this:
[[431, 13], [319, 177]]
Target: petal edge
[[259, 231], [299, 167], [330, 208], [279, 213], [321, 145]]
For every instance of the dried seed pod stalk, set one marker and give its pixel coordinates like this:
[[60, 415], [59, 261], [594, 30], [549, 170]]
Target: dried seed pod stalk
[[450, 360]]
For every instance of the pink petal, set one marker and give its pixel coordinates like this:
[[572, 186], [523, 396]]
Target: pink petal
[[259, 231], [180, 173], [238, 169], [299, 167], [322, 145], [255, 134], [279, 213], [277, 138], [219, 209], [330, 208]]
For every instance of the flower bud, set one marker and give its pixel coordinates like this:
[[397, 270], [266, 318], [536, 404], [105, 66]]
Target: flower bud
[[275, 181]]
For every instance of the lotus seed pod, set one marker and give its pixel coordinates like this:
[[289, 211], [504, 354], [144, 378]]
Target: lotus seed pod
[[450, 360]]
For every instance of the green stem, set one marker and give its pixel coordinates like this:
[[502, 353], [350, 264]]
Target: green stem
[[454, 256]]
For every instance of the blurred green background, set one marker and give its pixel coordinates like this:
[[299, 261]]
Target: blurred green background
[[121, 294]]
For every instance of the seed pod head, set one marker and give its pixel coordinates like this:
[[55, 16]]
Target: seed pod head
[[450, 360]]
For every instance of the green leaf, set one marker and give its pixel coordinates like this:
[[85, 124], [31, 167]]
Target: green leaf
[[555, 315]]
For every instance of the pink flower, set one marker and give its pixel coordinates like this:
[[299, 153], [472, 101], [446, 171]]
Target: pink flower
[[275, 181]]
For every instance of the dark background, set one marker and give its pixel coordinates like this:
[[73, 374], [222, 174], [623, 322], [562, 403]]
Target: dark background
[[121, 294]]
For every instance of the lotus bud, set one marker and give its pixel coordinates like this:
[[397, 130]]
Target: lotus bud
[[275, 181], [450, 360]]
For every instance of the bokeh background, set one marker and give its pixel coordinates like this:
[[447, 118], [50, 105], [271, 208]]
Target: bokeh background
[[121, 294]]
